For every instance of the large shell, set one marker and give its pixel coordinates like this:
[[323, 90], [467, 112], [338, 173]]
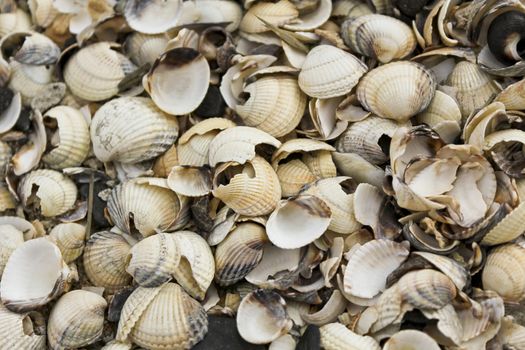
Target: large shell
[[160, 318], [144, 48], [71, 140], [131, 129], [409, 84], [29, 80], [105, 260], [22, 331], [55, 193], [70, 239], [330, 72], [152, 16], [10, 239], [410, 338], [427, 289], [335, 336], [504, 272]]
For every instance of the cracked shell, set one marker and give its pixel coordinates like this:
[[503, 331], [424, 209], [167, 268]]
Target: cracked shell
[[22, 331]]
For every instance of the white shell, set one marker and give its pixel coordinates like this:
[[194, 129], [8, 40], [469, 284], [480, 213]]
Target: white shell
[[152, 16]]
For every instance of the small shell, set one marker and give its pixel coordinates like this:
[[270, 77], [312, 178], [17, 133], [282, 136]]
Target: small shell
[[330, 72], [144, 48], [7, 201], [262, 317], [16, 21], [427, 289], [443, 115], [335, 306], [76, 320], [293, 176], [5, 156], [409, 84], [164, 163], [278, 13], [378, 36], [31, 48], [335, 336], [152, 17], [70, 239], [314, 19], [55, 194], [22, 331], [508, 229], [190, 181], [105, 260], [456, 272], [42, 12], [358, 168], [144, 131], [10, 239], [164, 317], [513, 97], [410, 338], [116, 345], [239, 253], [28, 156], [71, 140], [504, 272], [29, 80]]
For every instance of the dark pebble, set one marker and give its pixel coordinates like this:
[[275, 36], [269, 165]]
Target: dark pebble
[[222, 335], [24, 123], [311, 339], [213, 105]]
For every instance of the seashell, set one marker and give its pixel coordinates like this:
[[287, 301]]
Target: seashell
[[503, 272], [313, 19], [382, 37], [513, 96], [164, 163], [298, 146], [10, 115], [162, 82], [76, 320], [146, 208], [239, 253], [262, 317], [298, 221], [116, 345], [27, 228], [193, 145], [163, 317], [277, 14], [358, 168], [409, 83], [251, 189], [23, 331], [511, 334], [456, 272], [335, 336], [49, 190], [69, 239], [144, 131], [31, 48], [71, 139], [105, 260], [443, 116], [220, 11], [350, 8], [197, 265], [34, 274], [144, 48], [508, 229], [320, 163], [190, 181], [5, 156], [152, 17], [94, 72], [10, 239], [16, 21], [28, 156], [410, 338], [284, 342], [29, 80], [333, 308], [426, 289], [152, 260], [275, 260], [7, 201], [276, 104], [330, 72], [50, 97], [503, 36], [369, 266], [293, 176], [42, 12]]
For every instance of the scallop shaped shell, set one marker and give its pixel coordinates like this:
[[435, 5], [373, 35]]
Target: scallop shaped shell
[[508, 229], [330, 72], [144, 131], [504, 272], [94, 72], [253, 191], [278, 13], [382, 37], [276, 104], [239, 253], [335, 336], [55, 193], [163, 164], [71, 140], [105, 260], [16, 21], [197, 266], [22, 331], [116, 345], [426, 289], [42, 12], [153, 260], [397, 90], [144, 48], [7, 201], [70, 239], [29, 80], [76, 320], [31, 48], [152, 16], [298, 146], [193, 145], [5, 156], [10, 239], [410, 338], [293, 176], [164, 317], [513, 97]]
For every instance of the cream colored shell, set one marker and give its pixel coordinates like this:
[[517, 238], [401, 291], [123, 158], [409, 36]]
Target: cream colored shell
[[504, 272], [143, 48], [70, 239], [22, 331], [10, 239], [29, 80]]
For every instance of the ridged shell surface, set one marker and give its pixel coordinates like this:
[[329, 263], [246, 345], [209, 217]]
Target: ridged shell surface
[[504, 272], [19, 331], [70, 238], [335, 336], [143, 48], [427, 289]]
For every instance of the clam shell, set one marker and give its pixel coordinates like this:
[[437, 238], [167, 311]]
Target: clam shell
[[28, 156], [190, 181], [278, 13], [73, 138], [16, 21], [27, 228], [164, 163], [22, 331], [382, 37], [293, 176], [330, 72], [220, 11], [144, 48], [35, 49], [335, 336], [105, 260], [298, 146], [426, 289], [143, 130], [513, 97], [42, 12], [70, 239], [443, 115], [410, 338], [152, 16], [409, 83], [76, 320], [504, 273], [358, 168], [5, 156], [508, 229], [239, 253], [29, 80], [335, 306], [10, 239], [164, 317], [456, 272], [55, 194], [116, 345], [10, 115]]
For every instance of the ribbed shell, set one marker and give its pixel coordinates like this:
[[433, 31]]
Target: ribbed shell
[[335, 336], [276, 104], [116, 345], [410, 338], [10, 239], [131, 130], [427, 289], [73, 138], [17, 331], [278, 13], [330, 72], [37, 49], [29, 80], [239, 253], [105, 260], [16, 21], [162, 318], [293, 176], [5, 157], [56, 192], [152, 17], [70, 238], [298, 146], [144, 48], [253, 192], [76, 320], [397, 90], [513, 97], [42, 12], [508, 229], [504, 272]]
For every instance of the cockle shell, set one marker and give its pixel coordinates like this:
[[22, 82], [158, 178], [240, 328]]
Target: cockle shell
[[426, 289], [5, 156], [22, 331], [144, 48], [508, 229], [10, 239], [7, 201], [16, 21], [410, 338], [152, 17], [513, 96], [42, 12], [443, 115], [164, 163], [335, 336], [190, 181], [504, 272], [29, 80], [70, 239], [278, 13]]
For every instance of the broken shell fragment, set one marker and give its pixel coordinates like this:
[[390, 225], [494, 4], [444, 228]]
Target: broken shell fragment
[[10, 239], [427, 289], [190, 181], [26, 330], [410, 338]]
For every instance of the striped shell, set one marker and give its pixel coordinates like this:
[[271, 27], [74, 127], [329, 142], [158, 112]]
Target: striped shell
[[22, 331]]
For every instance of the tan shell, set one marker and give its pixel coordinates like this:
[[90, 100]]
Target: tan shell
[[513, 97], [293, 176], [7, 201], [152, 17], [278, 13], [22, 331], [76, 320], [330, 72], [10, 239], [164, 317], [239, 253], [42, 12], [504, 272], [144, 48], [410, 338], [251, 189], [508, 229], [105, 260], [164, 163], [144, 131], [335, 336], [358, 168], [94, 72], [29, 80], [71, 140], [427, 289], [454, 270], [16, 21], [56, 193], [70, 239], [378, 36], [409, 84], [443, 116]]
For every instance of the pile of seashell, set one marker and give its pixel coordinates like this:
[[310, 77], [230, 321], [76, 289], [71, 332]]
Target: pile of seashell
[[298, 174]]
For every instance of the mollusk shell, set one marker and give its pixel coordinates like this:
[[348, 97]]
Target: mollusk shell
[[504, 272], [70, 239], [22, 331]]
